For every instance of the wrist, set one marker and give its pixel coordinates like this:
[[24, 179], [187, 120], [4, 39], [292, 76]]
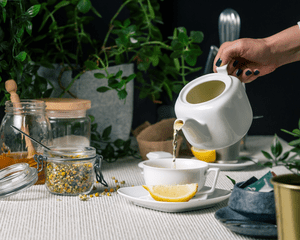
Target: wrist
[[284, 46]]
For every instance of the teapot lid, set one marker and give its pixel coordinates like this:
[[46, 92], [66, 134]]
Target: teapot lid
[[16, 178], [209, 87]]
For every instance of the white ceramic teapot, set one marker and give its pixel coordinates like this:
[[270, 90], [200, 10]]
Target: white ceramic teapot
[[214, 110]]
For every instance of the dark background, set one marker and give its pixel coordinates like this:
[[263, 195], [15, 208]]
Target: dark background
[[275, 96]]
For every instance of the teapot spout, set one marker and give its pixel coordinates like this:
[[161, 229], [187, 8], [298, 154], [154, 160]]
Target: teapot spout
[[196, 134]]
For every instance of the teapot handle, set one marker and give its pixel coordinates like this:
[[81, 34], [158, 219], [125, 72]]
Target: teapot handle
[[223, 69]]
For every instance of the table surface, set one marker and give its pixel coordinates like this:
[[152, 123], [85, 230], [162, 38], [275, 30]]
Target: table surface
[[37, 214]]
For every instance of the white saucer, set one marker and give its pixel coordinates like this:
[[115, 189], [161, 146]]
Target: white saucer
[[241, 164], [141, 197]]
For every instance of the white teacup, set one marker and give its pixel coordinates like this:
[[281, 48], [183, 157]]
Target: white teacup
[[160, 172]]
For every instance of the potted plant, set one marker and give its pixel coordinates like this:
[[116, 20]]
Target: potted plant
[[160, 63], [286, 187]]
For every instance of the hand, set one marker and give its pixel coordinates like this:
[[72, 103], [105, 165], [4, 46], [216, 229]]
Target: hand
[[246, 58]]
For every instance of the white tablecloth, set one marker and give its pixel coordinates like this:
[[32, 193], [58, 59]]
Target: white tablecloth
[[37, 214]]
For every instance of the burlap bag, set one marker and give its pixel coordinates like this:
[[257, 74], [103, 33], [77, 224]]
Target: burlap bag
[[158, 137]]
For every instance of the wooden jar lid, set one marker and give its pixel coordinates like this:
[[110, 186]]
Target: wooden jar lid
[[66, 104]]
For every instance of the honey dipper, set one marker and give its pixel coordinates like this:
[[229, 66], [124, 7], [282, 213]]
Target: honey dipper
[[11, 87]]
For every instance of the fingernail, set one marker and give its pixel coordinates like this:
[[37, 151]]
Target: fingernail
[[218, 63], [248, 73], [235, 63], [256, 72], [239, 71]]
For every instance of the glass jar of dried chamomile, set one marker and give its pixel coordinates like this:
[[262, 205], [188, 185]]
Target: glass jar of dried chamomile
[[70, 171]]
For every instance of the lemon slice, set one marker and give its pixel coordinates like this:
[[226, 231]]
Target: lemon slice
[[172, 193], [204, 155]]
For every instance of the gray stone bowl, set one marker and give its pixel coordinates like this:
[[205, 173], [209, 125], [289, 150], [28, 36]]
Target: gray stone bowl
[[258, 206]]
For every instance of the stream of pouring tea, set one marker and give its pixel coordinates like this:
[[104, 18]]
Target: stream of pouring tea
[[177, 127]]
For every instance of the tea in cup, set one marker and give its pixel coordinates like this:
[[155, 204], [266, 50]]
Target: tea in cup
[[187, 171]]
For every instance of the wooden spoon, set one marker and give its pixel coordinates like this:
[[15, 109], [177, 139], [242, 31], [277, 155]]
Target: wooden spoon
[[11, 87]]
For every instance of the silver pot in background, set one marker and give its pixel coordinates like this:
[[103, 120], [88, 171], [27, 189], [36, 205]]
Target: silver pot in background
[[229, 154]]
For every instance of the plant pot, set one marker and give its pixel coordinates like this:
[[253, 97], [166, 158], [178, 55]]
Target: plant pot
[[107, 108], [256, 206], [287, 199], [158, 137]]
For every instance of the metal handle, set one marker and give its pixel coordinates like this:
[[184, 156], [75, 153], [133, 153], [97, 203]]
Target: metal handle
[[39, 160], [97, 169], [210, 59]]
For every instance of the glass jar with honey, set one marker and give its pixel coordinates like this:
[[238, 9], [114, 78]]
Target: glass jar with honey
[[28, 116]]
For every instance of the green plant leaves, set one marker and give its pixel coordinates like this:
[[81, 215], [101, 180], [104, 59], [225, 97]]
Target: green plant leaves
[[276, 147], [99, 75], [177, 64], [197, 36], [151, 10], [4, 65], [138, 35], [296, 132], [106, 133], [84, 6], [130, 77], [137, 39], [96, 12], [190, 58], [267, 155], [90, 65], [15, 55], [232, 180], [122, 94], [28, 27], [294, 142], [183, 38], [4, 14], [284, 156], [92, 120], [33, 10], [111, 151], [3, 3], [280, 158], [184, 47], [21, 56], [62, 4], [103, 89], [20, 32]]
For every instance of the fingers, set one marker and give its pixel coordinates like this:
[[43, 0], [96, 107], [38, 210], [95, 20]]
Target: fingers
[[246, 72], [247, 75], [220, 59], [230, 53]]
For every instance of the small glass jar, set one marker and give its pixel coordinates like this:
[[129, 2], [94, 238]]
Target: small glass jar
[[71, 171], [28, 116], [69, 122]]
